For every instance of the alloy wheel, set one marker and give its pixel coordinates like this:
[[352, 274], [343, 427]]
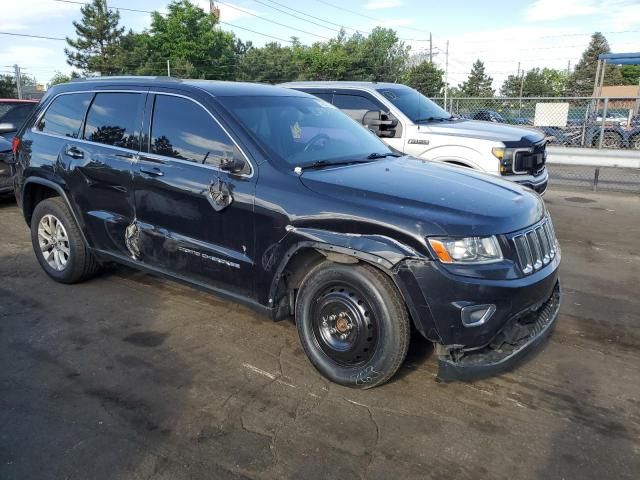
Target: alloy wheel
[[54, 242]]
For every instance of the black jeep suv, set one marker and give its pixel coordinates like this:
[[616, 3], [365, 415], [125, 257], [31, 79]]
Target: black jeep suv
[[277, 199]]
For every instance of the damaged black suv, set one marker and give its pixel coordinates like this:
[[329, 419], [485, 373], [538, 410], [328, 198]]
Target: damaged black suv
[[275, 198]]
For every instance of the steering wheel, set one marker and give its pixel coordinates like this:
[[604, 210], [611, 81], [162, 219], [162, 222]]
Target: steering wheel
[[316, 139]]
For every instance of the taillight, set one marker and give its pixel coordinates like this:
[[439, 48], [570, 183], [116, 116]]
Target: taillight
[[15, 144]]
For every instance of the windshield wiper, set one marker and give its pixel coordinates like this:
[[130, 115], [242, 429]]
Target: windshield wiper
[[327, 163], [433, 119], [375, 155]]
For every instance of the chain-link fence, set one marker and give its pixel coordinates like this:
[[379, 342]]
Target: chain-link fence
[[596, 178], [604, 122]]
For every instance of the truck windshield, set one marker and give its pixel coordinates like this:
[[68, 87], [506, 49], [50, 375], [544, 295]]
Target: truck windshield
[[414, 105], [303, 131]]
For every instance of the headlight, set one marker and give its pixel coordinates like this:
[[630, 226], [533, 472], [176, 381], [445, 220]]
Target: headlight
[[468, 250], [506, 156]]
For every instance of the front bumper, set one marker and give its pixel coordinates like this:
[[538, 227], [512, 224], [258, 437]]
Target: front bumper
[[521, 335], [435, 297], [538, 183]]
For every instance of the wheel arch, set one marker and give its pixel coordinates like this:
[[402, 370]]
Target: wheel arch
[[305, 254], [37, 189]]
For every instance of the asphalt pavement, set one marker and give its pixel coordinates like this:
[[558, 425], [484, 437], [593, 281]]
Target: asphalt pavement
[[128, 376]]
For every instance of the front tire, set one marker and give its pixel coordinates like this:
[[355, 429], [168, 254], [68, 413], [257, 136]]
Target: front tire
[[58, 243], [352, 323]]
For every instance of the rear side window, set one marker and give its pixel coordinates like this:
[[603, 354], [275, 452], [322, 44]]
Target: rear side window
[[114, 119], [18, 114], [324, 96], [183, 129], [64, 115], [355, 106]]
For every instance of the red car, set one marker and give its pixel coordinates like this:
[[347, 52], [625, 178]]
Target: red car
[[12, 113]]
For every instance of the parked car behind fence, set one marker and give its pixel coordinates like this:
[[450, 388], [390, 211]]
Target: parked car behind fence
[[582, 126]]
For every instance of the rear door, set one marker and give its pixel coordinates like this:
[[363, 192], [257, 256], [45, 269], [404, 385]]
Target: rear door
[[100, 166], [182, 226]]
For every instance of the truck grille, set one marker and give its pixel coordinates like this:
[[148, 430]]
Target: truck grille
[[536, 247], [531, 161]]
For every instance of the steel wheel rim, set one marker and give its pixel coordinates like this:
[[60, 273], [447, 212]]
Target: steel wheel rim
[[344, 325], [54, 242]]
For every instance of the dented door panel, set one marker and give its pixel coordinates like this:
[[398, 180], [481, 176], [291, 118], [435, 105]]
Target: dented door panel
[[181, 231]]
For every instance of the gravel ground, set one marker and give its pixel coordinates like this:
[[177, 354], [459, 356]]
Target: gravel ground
[[130, 376]]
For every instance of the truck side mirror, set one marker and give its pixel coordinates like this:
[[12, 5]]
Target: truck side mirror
[[379, 123]]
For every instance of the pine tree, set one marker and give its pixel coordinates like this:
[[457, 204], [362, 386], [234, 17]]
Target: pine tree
[[478, 84], [582, 80], [98, 40], [426, 78]]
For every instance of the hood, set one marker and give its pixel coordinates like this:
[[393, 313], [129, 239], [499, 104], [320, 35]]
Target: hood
[[427, 198], [511, 135]]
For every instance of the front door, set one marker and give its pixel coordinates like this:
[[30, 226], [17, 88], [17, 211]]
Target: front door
[[193, 219]]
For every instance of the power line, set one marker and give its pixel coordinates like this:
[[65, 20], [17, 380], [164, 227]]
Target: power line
[[254, 31], [272, 21], [300, 18], [31, 36], [353, 12], [117, 8], [161, 13]]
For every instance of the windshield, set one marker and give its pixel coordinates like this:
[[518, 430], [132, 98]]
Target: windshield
[[304, 130], [414, 105]]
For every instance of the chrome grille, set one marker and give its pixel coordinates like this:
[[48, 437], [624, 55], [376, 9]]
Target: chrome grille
[[536, 247]]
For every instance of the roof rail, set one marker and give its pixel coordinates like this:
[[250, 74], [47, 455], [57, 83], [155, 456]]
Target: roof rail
[[124, 77]]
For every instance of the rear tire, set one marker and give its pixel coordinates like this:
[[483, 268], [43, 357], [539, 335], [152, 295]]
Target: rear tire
[[352, 323], [58, 243]]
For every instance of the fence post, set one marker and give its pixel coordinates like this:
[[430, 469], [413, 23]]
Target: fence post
[[604, 119], [596, 177]]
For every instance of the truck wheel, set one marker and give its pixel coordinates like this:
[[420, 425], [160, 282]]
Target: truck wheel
[[352, 323], [58, 244]]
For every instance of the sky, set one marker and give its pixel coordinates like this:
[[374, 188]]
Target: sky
[[502, 33]]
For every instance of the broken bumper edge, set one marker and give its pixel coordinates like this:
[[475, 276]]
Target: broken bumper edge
[[503, 353]]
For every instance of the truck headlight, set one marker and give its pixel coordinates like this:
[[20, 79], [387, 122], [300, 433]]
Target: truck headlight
[[469, 250]]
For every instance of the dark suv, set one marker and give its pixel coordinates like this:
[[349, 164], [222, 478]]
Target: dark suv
[[277, 199]]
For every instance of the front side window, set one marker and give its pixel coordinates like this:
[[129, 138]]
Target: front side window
[[414, 105], [355, 106], [64, 115], [114, 119], [303, 130], [183, 129]]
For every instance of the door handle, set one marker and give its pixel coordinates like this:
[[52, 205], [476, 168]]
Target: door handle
[[74, 152], [154, 171]]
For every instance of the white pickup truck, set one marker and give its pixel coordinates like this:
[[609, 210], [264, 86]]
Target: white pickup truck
[[412, 124]]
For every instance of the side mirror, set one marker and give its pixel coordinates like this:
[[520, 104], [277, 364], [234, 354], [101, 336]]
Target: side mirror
[[233, 164], [379, 123], [7, 127]]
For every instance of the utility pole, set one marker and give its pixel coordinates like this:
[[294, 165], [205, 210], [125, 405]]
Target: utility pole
[[568, 67], [518, 70], [446, 75], [168, 68], [521, 90], [16, 70], [430, 48]]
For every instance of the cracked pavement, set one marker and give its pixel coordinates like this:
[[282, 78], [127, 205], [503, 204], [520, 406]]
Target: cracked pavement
[[130, 376]]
